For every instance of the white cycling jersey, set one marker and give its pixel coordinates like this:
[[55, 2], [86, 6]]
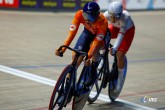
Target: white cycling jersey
[[124, 23]]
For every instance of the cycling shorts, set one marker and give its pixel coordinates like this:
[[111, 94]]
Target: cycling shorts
[[86, 38], [84, 41]]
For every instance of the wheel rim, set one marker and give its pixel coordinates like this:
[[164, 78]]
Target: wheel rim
[[114, 94], [58, 91], [97, 87]]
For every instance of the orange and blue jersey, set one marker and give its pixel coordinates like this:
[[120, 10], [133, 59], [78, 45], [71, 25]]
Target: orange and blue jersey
[[98, 28]]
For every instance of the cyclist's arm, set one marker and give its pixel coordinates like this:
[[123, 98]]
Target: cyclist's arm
[[121, 33], [98, 41], [73, 30], [119, 38]]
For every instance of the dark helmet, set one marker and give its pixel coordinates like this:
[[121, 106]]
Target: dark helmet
[[91, 11]]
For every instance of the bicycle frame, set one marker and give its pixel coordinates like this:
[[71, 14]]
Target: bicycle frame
[[73, 65], [112, 74], [66, 80]]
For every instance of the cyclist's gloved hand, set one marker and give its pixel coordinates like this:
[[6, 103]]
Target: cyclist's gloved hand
[[87, 62], [112, 51], [59, 52]]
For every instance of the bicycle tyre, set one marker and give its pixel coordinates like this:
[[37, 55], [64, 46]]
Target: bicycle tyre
[[111, 92], [101, 79], [59, 88], [81, 97]]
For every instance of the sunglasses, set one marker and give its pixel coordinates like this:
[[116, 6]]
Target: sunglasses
[[88, 17], [116, 15]]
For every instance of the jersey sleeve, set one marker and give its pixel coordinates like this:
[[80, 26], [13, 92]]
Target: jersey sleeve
[[122, 32], [98, 41], [125, 22], [120, 37], [73, 28]]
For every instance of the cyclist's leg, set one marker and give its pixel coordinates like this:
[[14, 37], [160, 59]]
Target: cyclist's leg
[[83, 43], [95, 59], [120, 63], [123, 49], [120, 58], [98, 84]]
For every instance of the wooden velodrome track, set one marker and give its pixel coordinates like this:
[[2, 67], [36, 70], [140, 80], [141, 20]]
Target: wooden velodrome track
[[29, 68]]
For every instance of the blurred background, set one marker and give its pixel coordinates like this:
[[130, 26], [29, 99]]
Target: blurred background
[[31, 30], [72, 5]]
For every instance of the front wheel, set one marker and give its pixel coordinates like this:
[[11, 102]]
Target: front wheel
[[81, 97], [113, 94], [61, 90]]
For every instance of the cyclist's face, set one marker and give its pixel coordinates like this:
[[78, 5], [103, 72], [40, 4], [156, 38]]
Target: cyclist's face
[[114, 17], [88, 18]]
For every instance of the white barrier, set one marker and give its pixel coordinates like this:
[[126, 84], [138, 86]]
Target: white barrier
[[159, 4], [135, 4]]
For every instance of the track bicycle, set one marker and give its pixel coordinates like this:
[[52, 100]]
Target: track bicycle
[[68, 87], [108, 76]]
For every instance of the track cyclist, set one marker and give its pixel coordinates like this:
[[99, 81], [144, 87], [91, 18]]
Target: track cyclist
[[91, 39], [122, 28]]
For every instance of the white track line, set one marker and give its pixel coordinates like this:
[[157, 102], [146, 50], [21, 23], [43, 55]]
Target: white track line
[[50, 82], [27, 75]]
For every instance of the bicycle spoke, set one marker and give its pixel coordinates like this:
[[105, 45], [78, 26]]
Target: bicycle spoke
[[99, 82], [100, 75], [97, 86], [56, 101]]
